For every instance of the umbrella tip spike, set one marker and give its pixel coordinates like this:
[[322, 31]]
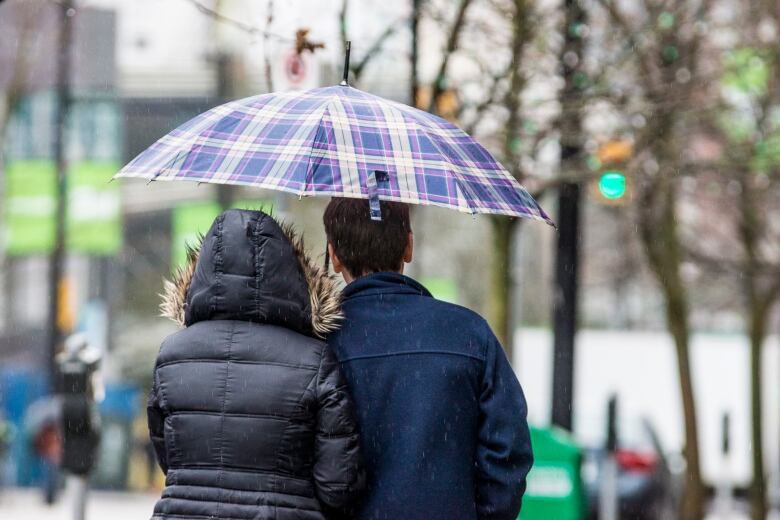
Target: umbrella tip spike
[[345, 77]]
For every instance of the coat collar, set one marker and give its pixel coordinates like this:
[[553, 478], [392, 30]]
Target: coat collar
[[384, 283]]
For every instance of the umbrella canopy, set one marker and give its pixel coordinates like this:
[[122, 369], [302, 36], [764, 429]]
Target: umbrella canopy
[[337, 141]]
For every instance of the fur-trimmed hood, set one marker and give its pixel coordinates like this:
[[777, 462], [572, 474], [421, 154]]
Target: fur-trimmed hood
[[248, 267]]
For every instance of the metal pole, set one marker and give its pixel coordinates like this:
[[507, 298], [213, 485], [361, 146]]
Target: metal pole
[[567, 252], [225, 89], [345, 76], [80, 486], [724, 505], [57, 260], [608, 496], [414, 80]]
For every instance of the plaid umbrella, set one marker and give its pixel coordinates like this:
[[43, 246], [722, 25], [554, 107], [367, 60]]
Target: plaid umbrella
[[337, 141]]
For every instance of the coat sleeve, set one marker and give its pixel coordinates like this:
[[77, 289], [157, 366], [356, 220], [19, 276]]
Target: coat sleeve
[[504, 455], [338, 466], [156, 418]]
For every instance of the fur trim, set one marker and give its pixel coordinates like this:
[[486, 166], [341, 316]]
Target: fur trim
[[174, 295], [326, 315]]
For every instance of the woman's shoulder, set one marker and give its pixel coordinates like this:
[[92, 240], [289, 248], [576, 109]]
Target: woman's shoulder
[[241, 341]]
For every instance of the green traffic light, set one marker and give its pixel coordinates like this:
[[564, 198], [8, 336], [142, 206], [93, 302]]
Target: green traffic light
[[612, 185]]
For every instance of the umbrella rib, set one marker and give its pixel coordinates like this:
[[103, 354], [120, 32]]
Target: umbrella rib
[[309, 169], [186, 148], [453, 167]]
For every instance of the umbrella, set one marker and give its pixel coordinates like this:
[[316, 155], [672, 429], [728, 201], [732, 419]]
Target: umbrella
[[337, 141]]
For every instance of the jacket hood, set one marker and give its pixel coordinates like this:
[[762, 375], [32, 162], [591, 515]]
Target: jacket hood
[[248, 267]]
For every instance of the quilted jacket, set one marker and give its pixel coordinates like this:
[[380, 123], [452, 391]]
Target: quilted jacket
[[249, 413]]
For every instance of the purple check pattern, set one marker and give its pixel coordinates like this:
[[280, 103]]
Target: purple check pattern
[[327, 141]]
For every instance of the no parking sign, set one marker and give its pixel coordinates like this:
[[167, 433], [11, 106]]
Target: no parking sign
[[296, 71], [295, 68]]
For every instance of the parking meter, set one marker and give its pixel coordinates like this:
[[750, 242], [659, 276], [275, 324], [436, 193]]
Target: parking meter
[[77, 366]]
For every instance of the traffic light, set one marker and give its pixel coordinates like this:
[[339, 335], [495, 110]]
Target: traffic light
[[612, 185]]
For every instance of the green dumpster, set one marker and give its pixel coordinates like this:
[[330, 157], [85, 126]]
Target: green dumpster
[[555, 489]]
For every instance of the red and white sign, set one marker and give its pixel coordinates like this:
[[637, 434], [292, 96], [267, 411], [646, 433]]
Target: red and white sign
[[295, 68], [293, 71]]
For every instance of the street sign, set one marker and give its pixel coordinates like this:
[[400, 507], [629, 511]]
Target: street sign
[[94, 209], [30, 189], [94, 213], [296, 71], [295, 68]]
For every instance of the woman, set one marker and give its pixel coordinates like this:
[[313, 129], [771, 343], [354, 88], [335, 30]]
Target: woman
[[248, 412]]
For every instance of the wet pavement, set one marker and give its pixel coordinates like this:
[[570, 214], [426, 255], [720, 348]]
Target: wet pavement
[[27, 504]]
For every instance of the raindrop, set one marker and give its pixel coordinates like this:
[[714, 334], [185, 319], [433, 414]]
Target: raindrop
[[666, 20], [650, 166], [767, 31], [689, 272], [683, 75], [581, 80], [638, 121], [579, 30], [670, 53], [762, 181], [70, 12], [713, 188], [593, 163], [571, 59]]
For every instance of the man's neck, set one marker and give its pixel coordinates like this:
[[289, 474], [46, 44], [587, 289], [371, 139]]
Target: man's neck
[[348, 278]]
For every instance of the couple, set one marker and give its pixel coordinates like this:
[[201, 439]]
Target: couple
[[410, 411]]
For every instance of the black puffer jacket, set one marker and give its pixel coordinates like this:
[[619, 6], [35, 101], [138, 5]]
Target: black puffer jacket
[[248, 412]]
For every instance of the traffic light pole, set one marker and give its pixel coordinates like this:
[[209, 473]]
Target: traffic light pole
[[568, 246], [565, 304], [57, 260]]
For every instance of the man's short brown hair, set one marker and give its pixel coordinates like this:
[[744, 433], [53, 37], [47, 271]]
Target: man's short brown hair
[[363, 245]]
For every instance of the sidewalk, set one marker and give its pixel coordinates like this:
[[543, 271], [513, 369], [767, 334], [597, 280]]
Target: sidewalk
[[27, 504]]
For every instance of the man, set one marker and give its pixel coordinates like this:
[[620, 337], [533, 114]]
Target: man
[[441, 415]]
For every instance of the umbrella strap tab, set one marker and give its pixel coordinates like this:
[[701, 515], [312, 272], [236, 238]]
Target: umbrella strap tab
[[374, 182]]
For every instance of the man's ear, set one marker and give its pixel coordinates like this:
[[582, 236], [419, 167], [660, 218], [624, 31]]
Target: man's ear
[[409, 250], [338, 267]]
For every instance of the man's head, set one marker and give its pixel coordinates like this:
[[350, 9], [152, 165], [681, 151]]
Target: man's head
[[359, 246]]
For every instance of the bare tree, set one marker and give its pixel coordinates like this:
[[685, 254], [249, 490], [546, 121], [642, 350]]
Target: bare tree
[[356, 67], [504, 229], [748, 169], [664, 64]]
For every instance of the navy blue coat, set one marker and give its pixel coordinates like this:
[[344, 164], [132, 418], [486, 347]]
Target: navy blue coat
[[441, 415]]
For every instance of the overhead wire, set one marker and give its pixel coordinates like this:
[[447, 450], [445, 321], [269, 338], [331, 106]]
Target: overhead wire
[[252, 30]]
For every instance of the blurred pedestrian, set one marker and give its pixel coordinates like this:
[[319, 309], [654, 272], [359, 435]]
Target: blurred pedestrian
[[81, 388], [441, 415], [42, 426], [6, 435], [249, 412]]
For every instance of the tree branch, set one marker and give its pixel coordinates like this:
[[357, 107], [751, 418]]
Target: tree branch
[[375, 48], [241, 26], [452, 45]]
